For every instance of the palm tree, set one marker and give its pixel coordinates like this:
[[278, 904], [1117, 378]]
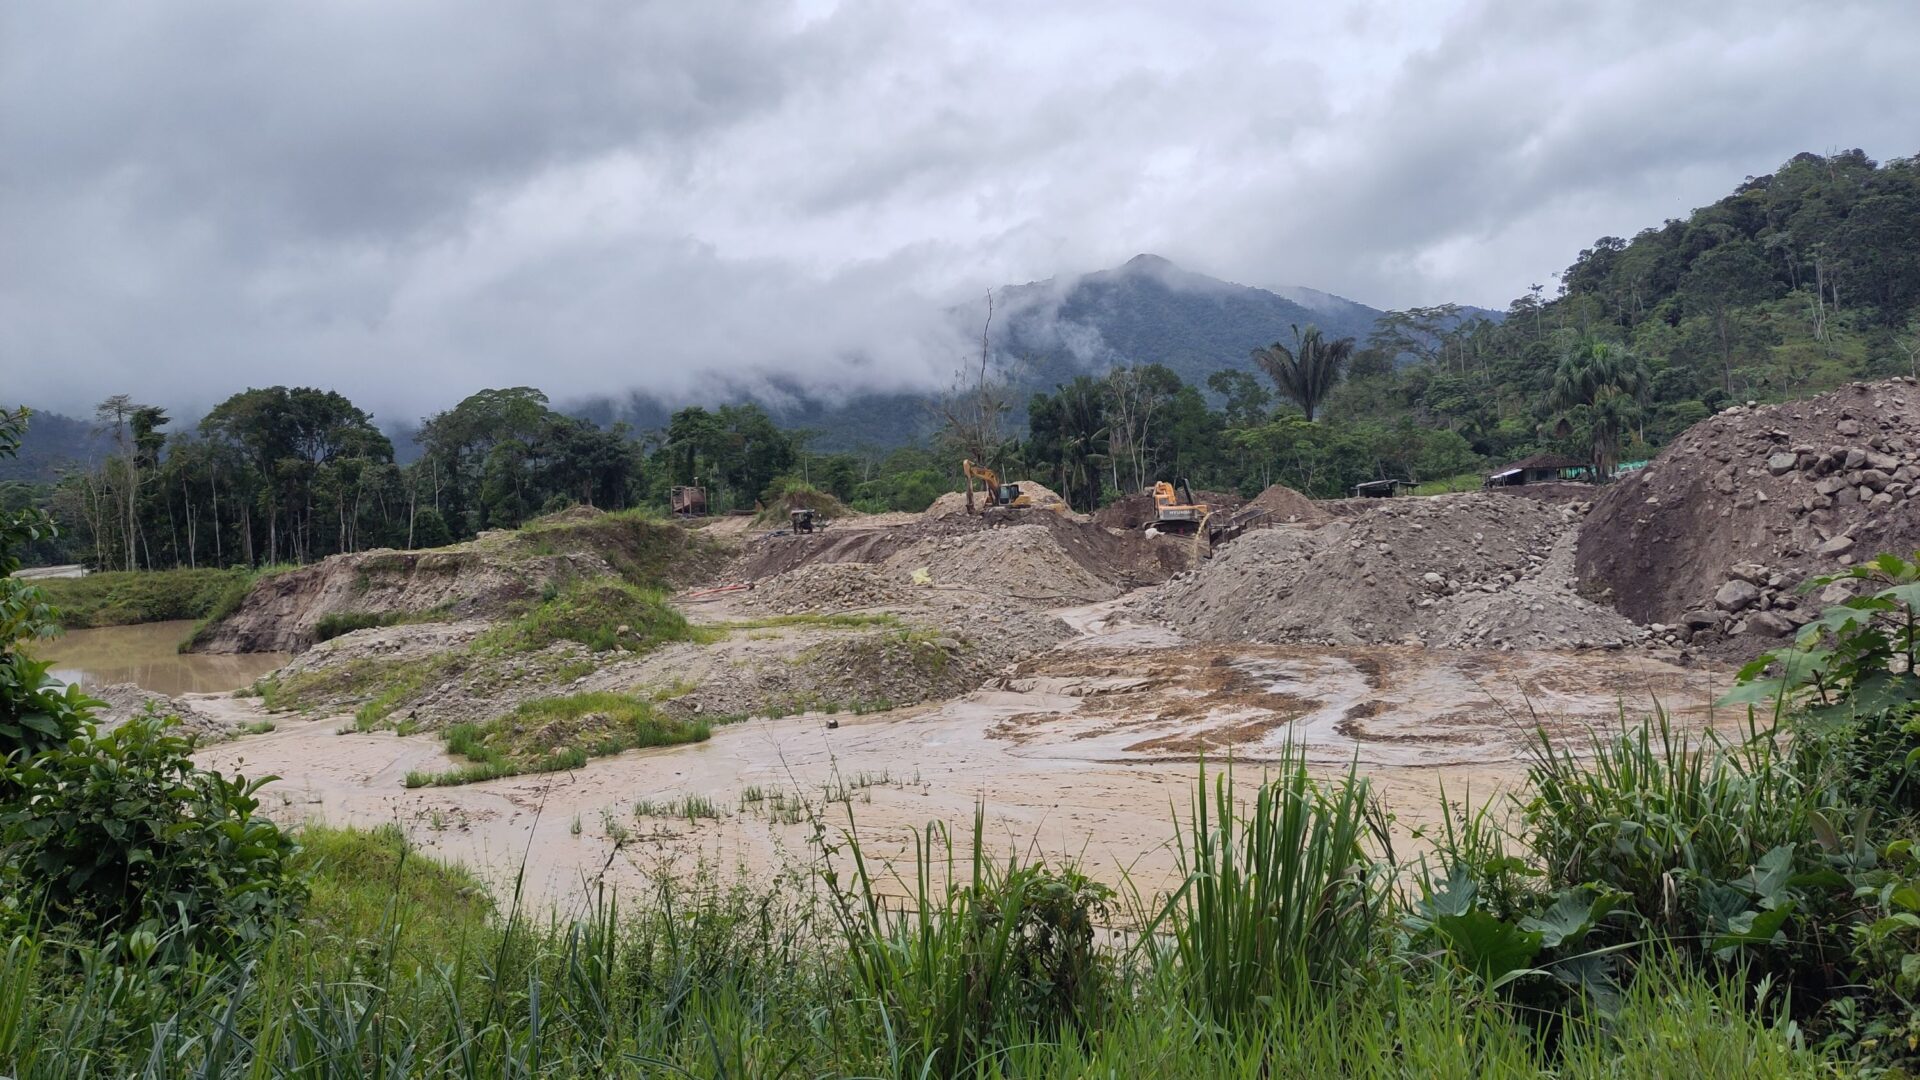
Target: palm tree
[[1608, 382], [1305, 373]]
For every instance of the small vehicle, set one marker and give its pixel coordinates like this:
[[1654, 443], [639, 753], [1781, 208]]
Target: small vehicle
[[803, 520]]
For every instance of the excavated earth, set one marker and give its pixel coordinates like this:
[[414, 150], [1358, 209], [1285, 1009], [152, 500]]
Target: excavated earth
[[1029, 554], [478, 579], [1476, 570], [1712, 538], [1065, 672]]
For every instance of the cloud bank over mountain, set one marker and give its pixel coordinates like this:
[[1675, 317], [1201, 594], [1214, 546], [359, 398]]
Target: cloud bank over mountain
[[408, 202]]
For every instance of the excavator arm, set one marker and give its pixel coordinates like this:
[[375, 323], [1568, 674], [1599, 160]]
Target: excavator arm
[[987, 477]]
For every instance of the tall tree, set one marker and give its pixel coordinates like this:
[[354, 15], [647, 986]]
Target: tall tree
[[1606, 384], [1306, 373]]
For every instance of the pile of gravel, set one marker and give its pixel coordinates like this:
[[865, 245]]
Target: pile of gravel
[[1472, 570], [1712, 537]]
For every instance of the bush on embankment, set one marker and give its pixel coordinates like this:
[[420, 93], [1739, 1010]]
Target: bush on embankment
[[127, 597]]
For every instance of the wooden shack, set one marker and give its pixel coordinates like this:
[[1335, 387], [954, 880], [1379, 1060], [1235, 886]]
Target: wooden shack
[[688, 501], [1538, 469], [1380, 489]]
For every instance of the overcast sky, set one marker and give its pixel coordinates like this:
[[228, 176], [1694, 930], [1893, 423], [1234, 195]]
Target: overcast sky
[[408, 200]]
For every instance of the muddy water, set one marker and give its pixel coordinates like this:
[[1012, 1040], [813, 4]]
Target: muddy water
[[149, 656], [1054, 757]]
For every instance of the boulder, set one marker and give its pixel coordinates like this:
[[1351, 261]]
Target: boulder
[[1735, 595], [1839, 545], [1700, 619], [1769, 624], [1782, 464]]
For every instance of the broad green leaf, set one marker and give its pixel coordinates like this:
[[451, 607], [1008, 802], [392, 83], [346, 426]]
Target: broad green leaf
[[1753, 928], [1486, 946], [1571, 917]]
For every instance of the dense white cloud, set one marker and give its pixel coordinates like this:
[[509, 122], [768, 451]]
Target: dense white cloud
[[411, 201]]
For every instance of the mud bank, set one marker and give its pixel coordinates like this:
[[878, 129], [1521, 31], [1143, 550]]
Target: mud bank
[[1088, 751]]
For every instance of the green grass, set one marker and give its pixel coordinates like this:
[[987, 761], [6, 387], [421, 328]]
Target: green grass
[[556, 734], [691, 807], [336, 623], [990, 966], [1462, 482], [592, 613], [851, 620], [123, 598]]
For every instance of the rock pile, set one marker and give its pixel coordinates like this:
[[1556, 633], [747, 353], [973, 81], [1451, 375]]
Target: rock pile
[[1711, 539], [1285, 505], [124, 701], [1025, 563], [1466, 571], [827, 588], [955, 502]]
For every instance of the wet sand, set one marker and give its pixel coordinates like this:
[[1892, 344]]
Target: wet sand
[[1089, 752]]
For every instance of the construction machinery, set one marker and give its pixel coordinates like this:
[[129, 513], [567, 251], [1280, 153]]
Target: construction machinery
[[999, 495], [803, 520], [1177, 511]]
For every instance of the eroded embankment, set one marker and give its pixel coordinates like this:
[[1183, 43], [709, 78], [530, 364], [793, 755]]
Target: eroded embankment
[[481, 579]]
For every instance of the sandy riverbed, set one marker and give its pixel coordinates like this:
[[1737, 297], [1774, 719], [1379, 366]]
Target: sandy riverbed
[[1088, 752]]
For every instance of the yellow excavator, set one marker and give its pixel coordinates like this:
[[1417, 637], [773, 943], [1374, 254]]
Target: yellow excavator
[[1175, 515], [998, 494]]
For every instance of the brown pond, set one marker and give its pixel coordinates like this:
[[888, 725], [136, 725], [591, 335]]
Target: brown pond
[[149, 656]]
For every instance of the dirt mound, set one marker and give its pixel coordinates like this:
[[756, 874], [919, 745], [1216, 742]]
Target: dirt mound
[[1045, 555], [1283, 504], [954, 503], [477, 579], [1716, 532], [1127, 512], [827, 588], [779, 512], [1471, 570], [124, 701], [1019, 562]]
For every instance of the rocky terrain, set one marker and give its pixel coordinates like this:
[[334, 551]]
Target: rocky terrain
[[1713, 538], [1472, 570]]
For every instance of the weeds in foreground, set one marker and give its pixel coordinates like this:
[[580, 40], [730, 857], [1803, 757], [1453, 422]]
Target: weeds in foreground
[[556, 734]]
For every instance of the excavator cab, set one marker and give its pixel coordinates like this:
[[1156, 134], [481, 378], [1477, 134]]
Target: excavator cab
[[1175, 516], [802, 520], [1007, 495]]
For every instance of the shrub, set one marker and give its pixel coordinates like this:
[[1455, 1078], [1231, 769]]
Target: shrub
[[958, 970], [35, 711], [601, 614], [121, 831], [1280, 899]]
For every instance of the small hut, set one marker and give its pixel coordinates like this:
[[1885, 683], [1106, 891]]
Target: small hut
[[1380, 489], [1539, 469], [688, 501]]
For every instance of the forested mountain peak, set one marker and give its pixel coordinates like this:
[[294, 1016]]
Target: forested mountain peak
[[1152, 311]]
